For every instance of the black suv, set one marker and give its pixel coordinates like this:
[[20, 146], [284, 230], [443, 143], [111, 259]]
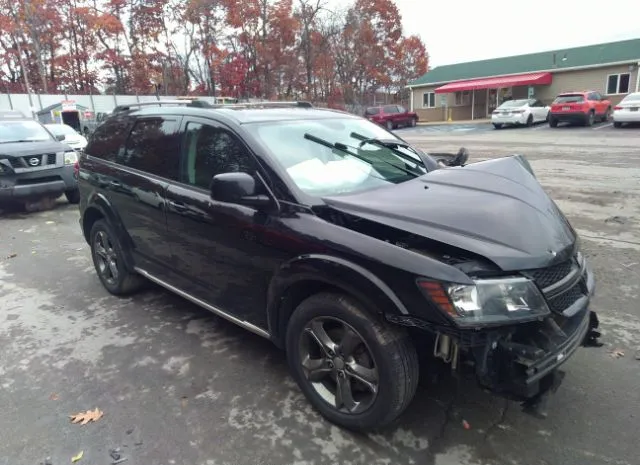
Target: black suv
[[33, 163], [342, 244]]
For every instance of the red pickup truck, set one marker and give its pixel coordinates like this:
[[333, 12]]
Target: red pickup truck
[[391, 116], [584, 108]]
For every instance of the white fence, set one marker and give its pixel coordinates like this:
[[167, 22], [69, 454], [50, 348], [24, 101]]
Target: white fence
[[95, 103]]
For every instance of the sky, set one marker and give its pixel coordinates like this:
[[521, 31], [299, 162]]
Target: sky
[[456, 31]]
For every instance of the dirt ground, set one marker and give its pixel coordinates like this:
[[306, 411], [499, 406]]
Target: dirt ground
[[180, 386]]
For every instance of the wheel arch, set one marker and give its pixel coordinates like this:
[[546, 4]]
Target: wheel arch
[[307, 275], [99, 208]]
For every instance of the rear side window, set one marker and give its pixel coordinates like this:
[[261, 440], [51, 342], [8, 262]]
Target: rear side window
[[391, 109], [153, 146], [372, 111], [569, 99], [109, 138]]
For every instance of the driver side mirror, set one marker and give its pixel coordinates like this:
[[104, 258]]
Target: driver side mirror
[[237, 188], [60, 137]]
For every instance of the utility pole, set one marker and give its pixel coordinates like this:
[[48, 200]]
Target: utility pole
[[25, 74]]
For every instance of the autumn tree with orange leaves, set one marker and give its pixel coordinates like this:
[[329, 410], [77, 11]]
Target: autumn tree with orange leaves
[[281, 49]]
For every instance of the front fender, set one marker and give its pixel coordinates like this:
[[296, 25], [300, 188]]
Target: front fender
[[297, 279]]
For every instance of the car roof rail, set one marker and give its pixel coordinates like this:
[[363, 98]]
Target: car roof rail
[[269, 104], [204, 104], [185, 102]]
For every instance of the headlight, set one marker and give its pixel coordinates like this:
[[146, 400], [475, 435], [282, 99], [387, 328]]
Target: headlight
[[70, 158], [488, 301]]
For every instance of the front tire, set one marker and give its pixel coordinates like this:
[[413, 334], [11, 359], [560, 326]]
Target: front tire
[[413, 122], [108, 259], [617, 124], [497, 125], [530, 121], [358, 372], [389, 125], [73, 196]]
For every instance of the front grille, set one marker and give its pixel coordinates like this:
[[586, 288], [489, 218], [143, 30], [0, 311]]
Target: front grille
[[566, 299], [16, 162], [545, 277]]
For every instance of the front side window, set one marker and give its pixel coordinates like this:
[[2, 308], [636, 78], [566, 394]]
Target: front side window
[[372, 111], [153, 146], [390, 109], [212, 150], [339, 160], [618, 83], [22, 131]]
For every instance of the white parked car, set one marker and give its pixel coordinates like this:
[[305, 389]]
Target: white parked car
[[72, 138], [627, 111], [520, 112]]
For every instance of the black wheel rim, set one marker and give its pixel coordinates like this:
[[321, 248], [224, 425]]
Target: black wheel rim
[[106, 257], [339, 365]]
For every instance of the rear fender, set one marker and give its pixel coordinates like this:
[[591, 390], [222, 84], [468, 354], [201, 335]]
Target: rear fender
[[306, 275], [99, 205]]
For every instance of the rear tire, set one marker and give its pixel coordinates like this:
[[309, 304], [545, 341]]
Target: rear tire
[[497, 125], [617, 124], [530, 121], [553, 122], [591, 117], [73, 196], [606, 115], [108, 259], [389, 126], [382, 354]]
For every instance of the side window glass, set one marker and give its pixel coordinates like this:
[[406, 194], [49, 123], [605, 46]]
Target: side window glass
[[108, 139], [154, 147], [391, 109], [210, 151], [401, 109]]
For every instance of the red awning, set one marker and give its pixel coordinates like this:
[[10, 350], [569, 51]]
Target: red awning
[[530, 79]]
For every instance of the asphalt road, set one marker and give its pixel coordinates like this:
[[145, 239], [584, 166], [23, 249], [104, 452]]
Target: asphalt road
[[180, 386]]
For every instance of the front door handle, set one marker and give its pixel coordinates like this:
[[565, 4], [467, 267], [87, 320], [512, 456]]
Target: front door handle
[[115, 183], [178, 206]]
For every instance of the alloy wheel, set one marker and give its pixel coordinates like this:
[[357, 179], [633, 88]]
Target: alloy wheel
[[106, 257], [339, 365]]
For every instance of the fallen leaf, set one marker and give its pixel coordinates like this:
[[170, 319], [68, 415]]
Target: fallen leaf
[[85, 417], [617, 353], [184, 401], [465, 424], [75, 458], [53, 396], [50, 222]]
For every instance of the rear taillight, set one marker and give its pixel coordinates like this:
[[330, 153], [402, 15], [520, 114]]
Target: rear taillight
[[76, 169], [617, 107]]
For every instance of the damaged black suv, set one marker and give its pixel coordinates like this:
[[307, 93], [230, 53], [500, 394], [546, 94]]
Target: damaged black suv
[[342, 244]]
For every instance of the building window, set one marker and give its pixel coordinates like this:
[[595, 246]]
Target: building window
[[429, 100], [618, 83], [463, 98]]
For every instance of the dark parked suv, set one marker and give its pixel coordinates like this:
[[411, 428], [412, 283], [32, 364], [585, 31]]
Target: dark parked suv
[[342, 244], [33, 163]]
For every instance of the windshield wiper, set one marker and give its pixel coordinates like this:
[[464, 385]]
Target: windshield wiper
[[390, 144], [345, 148]]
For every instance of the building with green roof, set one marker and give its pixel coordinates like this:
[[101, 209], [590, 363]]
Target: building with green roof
[[473, 90]]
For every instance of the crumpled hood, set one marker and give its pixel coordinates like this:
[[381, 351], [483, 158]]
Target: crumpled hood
[[25, 149], [494, 208]]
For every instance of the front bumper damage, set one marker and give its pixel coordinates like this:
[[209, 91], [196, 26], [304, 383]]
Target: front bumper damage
[[522, 362]]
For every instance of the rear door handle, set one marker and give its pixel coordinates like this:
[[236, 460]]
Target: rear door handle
[[115, 183]]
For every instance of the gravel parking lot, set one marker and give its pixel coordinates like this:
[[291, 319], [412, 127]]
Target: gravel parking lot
[[181, 386]]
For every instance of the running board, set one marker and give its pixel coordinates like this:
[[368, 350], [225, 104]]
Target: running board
[[244, 324]]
